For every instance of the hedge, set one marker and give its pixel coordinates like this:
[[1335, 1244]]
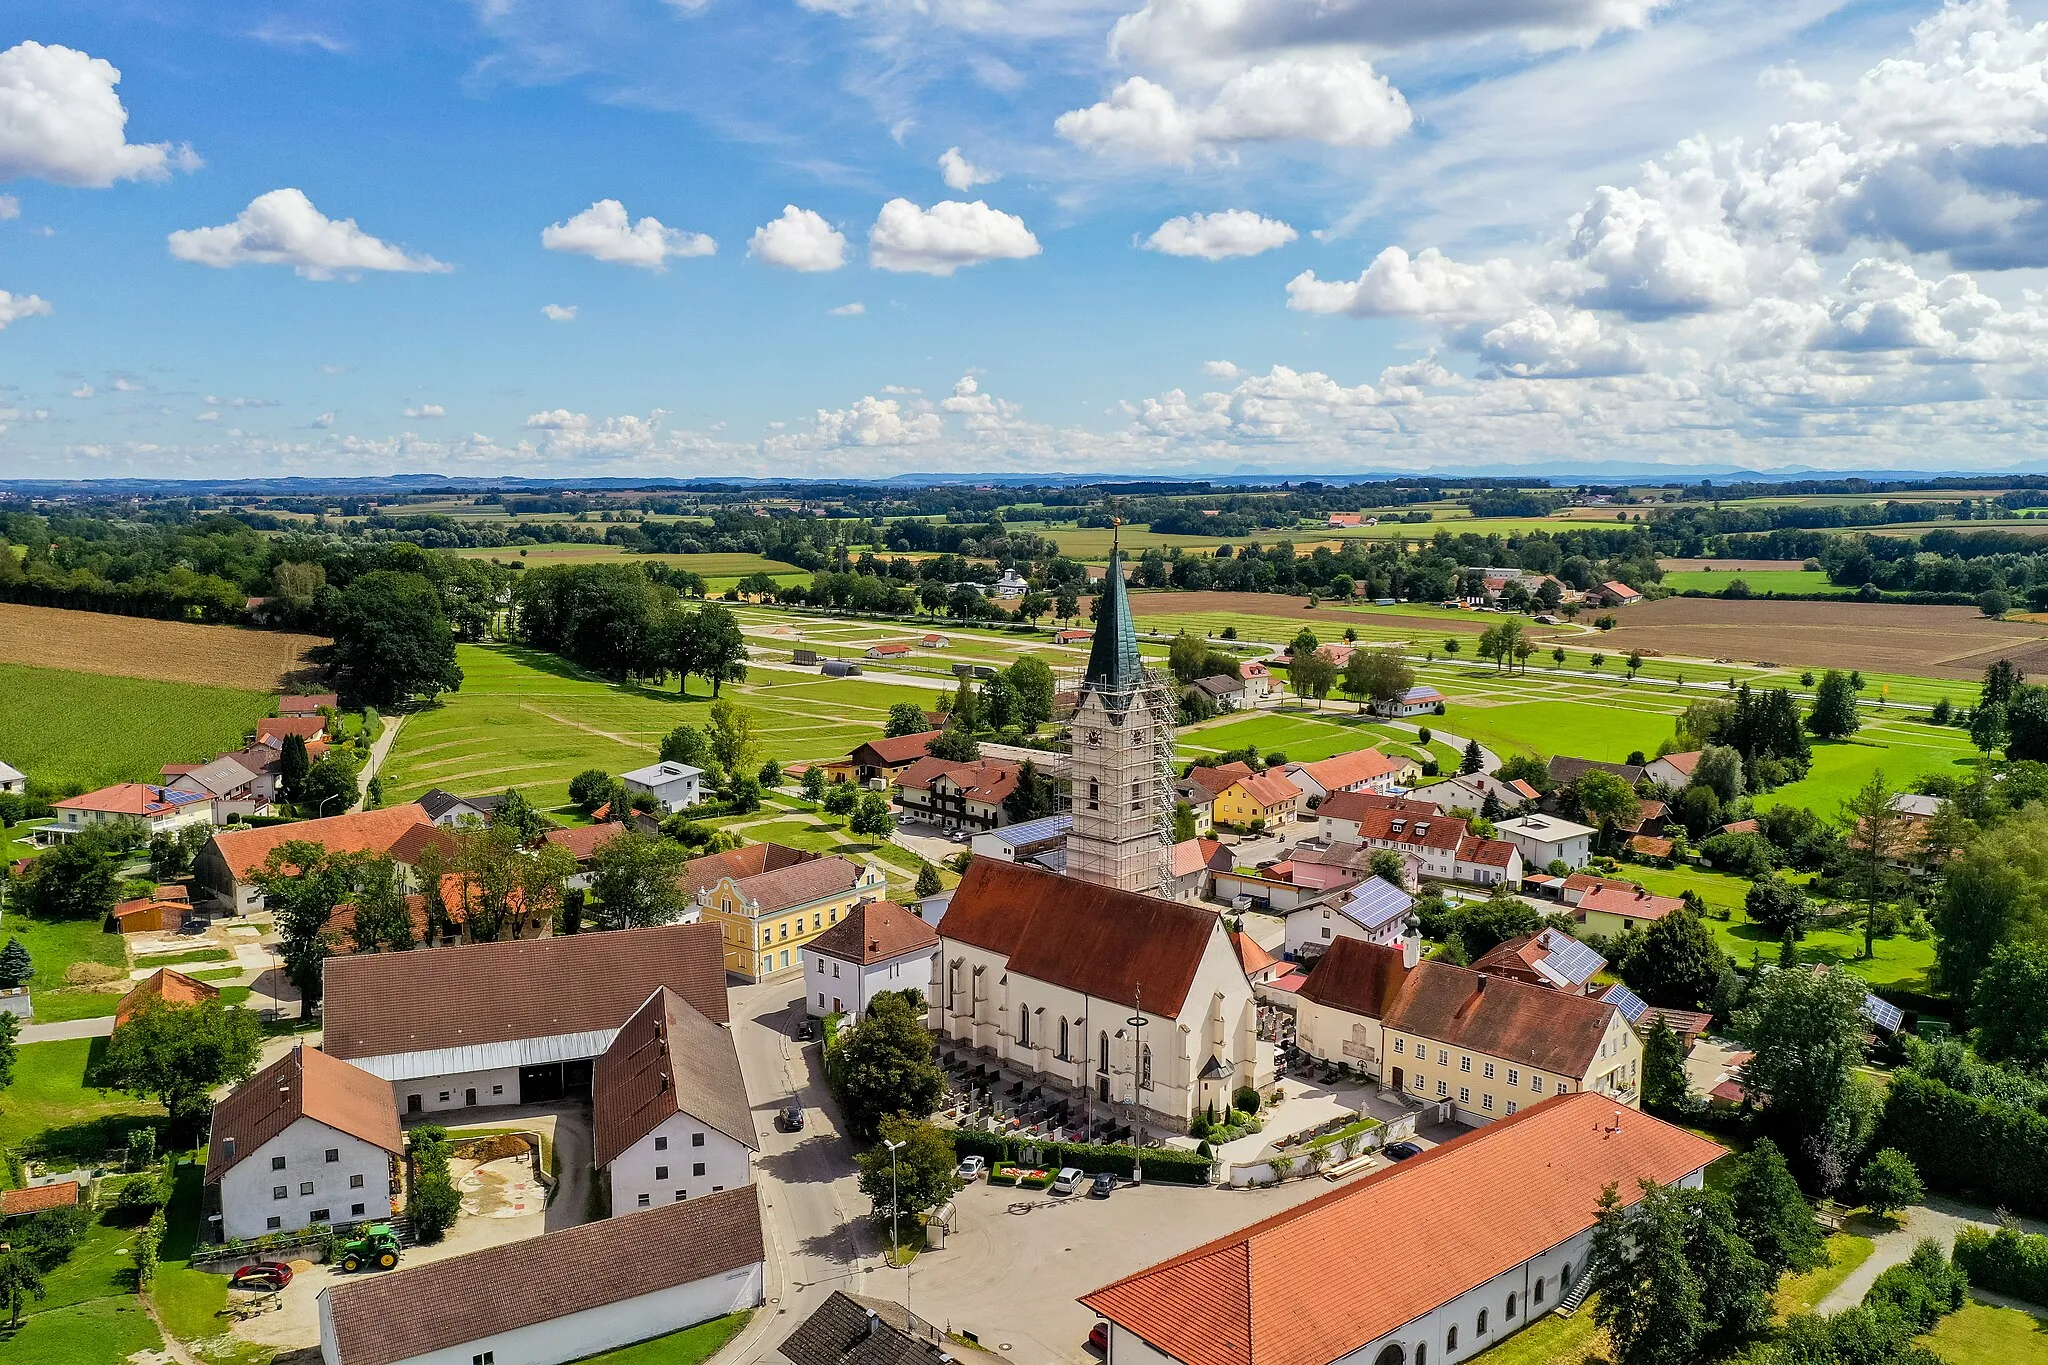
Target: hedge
[[1987, 1152], [2008, 1260], [1168, 1165]]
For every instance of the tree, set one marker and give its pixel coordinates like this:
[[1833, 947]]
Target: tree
[[1805, 1031], [16, 966], [75, 880], [331, 785], [392, 641], [1032, 681], [1608, 801], [770, 776], [1771, 1214], [814, 783], [928, 883], [839, 798], [871, 816], [1675, 962], [1834, 707], [1665, 1088], [382, 922], [1994, 602], [731, 737], [292, 767], [1635, 665], [1719, 769], [636, 881], [686, 744], [1184, 827], [488, 882], [998, 703], [1305, 642], [594, 787], [303, 884], [1389, 866], [955, 744], [2008, 1004], [1672, 1276], [1184, 656], [1379, 674], [20, 1283], [1987, 728], [1877, 835], [885, 1067], [1474, 760], [711, 646], [2001, 680], [1888, 1181], [10, 1033], [1993, 892], [1781, 907], [2026, 723], [177, 1054], [905, 718], [1557, 657], [918, 1174], [1036, 794], [1313, 674]]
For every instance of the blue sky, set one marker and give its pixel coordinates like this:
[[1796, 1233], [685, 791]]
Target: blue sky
[[1706, 233]]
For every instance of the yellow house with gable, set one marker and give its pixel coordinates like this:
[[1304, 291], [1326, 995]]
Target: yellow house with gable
[[764, 920]]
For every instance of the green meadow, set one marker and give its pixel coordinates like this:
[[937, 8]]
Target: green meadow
[[78, 731]]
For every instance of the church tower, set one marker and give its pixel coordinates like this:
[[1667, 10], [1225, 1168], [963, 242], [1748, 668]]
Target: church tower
[[1122, 743]]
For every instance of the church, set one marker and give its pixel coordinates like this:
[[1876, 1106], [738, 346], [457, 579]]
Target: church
[[1094, 984]]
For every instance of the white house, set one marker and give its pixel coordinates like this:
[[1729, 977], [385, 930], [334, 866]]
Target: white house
[[1011, 584], [1373, 911], [1443, 846], [308, 1139], [1046, 973], [13, 782], [675, 785], [235, 790], [669, 1113], [164, 810], [1022, 843], [559, 1297], [1673, 771], [517, 1022], [1258, 681], [1422, 699], [446, 809], [877, 946], [1545, 839], [1468, 791], [1361, 770], [1471, 1242]]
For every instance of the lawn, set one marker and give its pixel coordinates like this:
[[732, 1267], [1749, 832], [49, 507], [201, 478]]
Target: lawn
[[190, 1301], [50, 1109], [821, 837], [1902, 750], [1760, 581], [1800, 1293], [687, 1347], [1983, 1335], [1551, 1340], [55, 945], [1307, 737], [529, 718], [78, 731], [101, 1332], [191, 955], [1607, 732]]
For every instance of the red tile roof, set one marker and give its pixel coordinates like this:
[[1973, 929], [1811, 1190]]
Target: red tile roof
[[1268, 790], [60, 1195], [1684, 762], [1357, 977], [171, 987], [414, 842], [1427, 830], [277, 727], [1253, 958], [748, 860], [1318, 1281], [1631, 903], [802, 883], [874, 931], [371, 831], [130, 798], [987, 780], [304, 1083], [1357, 805], [1651, 846], [1218, 779], [1486, 852], [580, 843], [306, 705], [1362, 765], [895, 751], [1092, 939], [1593, 881], [1193, 855], [667, 1060]]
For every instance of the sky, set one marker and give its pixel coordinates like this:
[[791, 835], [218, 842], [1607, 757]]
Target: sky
[[857, 238]]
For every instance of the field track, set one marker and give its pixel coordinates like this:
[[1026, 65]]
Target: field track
[[138, 647]]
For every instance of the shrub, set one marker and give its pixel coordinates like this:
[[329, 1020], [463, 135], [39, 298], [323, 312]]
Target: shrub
[[2008, 1261], [1163, 1164], [1246, 1100], [1922, 1291], [435, 1200], [1889, 1182]]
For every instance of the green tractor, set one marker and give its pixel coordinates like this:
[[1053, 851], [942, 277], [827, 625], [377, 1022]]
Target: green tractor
[[376, 1246]]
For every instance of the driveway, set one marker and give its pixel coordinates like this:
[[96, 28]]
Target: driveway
[[1938, 1218]]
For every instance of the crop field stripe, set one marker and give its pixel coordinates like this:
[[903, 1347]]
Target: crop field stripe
[[89, 730]]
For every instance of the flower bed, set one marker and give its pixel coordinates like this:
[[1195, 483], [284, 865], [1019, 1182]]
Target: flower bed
[[1029, 1177]]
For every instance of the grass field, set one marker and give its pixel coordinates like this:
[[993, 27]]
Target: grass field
[[1759, 580], [50, 1109], [1308, 736], [54, 945], [1800, 1293], [78, 731], [530, 719], [1980, 1334], [722, 565], [137, 647], [687, 1347], [104, 1331]]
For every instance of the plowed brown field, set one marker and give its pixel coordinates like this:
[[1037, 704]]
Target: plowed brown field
[[137, 647], [1933, 642]]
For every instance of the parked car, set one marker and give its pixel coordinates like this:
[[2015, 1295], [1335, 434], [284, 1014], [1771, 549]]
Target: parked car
[[263, 1275], [806, 1029], [1401, 1151], [971, 1169], [1102, 1186], [1098, 1337], [791, 1119], [1067, 1181], [958, 836]]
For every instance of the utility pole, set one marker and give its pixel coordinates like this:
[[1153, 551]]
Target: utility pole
[[894, 1199]]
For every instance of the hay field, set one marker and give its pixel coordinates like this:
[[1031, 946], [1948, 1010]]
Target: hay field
[[138, 647], [78, 731]]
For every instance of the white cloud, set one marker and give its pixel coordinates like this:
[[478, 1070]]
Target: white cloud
[[877, 422], [283, 228], [1670, 251], [123, 384], [1221, 369], [1558, 344], [15, 307], [82, 391], [212, 401], [605, 232], [61, 121], [1218, 236], [10, 207], [799, 240], [1428, 284], [426, 411], [322, 422], [1336, 100], [558, 312], [945, 237], [561, 419], [206, 417], [961, 174], [848, 310]]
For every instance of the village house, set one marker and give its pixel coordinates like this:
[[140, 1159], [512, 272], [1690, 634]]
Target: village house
[[875, 763], [494, 1023], [952, 795], [1011, 585], [1548, 839], [1565, 771], [582, 844], [1470, 1242], [1549, 957], [894, 649], [1610, 910], [559, 1297], [851, 1329], [163, 810], [274, 730], [1224, 692], [1672, 772], [936, 641], [228, 866], [307, 704], [1193, 865], [1615, 594], [13, 782], [1445, 847], [308, 1139], [1475, 1045], [234, 789], [1266, 798], [1419, 700], [765, 919], [162, 911], [1257, 679], [446, 809], [876, 946], [1072, 637], [674, 786], [1043, 841], [669, 1114], [1358, 771], [1469, 791], [1044, 973], [1373, 911]]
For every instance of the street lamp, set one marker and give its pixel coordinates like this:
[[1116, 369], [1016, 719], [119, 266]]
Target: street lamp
[[894, 1198], [1137, 1025]]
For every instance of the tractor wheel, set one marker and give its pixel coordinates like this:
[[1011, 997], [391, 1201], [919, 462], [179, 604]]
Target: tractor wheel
[[350, 1265], [386, 1259]]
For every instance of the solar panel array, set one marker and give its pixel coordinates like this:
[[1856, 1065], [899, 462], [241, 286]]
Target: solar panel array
[[1377, 903], [1883, 1013], [1627, 1001], [1571, 959]]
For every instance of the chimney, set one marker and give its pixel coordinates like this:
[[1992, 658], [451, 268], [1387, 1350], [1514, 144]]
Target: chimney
[[1411, 945], [874, 1321], [1479, 988]]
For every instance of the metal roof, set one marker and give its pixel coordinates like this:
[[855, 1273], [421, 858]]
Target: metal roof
[[451, 1061], [1114, 667], [1627, 1001], [1375, 903], [1032, 831], [667, 770]]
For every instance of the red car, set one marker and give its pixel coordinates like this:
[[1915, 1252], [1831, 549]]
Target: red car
[[1098, 1337], [262, 1275]]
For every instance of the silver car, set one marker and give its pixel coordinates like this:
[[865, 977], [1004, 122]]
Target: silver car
[[1067, 1181]]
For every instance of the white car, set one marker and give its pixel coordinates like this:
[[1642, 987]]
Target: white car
[[1067, 1181], [970, 1170]]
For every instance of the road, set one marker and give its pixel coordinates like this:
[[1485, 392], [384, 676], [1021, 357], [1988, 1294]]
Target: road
[[817, 1217], [99, 1026], [380, 748]]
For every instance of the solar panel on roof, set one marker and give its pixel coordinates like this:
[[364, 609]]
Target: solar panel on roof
[[1883, 1013], [1045, 827], [1627, 1001], [1573, 960], [1376, 903]]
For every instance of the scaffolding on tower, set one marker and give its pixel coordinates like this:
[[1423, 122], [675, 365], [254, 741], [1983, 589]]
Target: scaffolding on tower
[[1124, 837]]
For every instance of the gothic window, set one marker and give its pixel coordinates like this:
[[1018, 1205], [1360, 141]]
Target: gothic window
[[1024, 1026], [1145, 1068], [1065, 1054], [1102, 1052]]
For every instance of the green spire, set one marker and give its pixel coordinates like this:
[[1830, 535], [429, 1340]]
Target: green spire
[[1113, 662]]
